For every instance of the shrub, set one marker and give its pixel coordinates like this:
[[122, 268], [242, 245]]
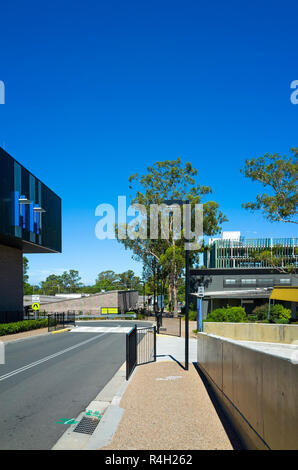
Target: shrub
[[277, 312], [281, 321], [19, 326], [192, 315], [140, 316], [252, 318], [228, 314], [261, 312]]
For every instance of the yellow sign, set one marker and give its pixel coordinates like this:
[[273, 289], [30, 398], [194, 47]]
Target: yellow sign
[[105, 310], [35, 306]]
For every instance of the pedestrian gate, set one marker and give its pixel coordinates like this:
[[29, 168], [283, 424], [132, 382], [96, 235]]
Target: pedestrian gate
[[140, 347], [60, 320]]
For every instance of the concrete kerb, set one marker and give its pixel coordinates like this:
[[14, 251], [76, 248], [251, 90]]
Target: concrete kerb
[[107, 404], [60, 331]]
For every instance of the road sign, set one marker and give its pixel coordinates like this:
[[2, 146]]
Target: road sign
[[106, 310], [35, 298], [35, 306], [201, 291]]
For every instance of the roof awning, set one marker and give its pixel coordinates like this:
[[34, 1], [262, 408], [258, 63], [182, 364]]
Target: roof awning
[[236, 294], [289, 294]]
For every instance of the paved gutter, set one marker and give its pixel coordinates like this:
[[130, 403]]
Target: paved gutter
[[106, 403]]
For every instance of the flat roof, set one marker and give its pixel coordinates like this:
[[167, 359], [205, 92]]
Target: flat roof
[[236, 294]]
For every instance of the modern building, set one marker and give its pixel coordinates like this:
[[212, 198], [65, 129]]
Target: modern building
[[30, 222], [234, 251], [234, 276]]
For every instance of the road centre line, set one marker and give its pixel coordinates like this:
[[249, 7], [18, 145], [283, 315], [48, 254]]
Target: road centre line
[[47, 358]]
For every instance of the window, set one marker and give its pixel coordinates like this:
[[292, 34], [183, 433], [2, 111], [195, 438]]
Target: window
[[230, 283], [266, 282], [285, 281], [248, 282]]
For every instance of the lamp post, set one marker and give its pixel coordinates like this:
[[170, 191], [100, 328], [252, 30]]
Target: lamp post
[[187, 223], [187, 295], [144, 283]]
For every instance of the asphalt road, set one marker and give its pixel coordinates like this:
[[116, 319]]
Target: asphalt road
[[53, 377]]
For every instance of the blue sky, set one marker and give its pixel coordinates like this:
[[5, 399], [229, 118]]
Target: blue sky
[[96, 91]]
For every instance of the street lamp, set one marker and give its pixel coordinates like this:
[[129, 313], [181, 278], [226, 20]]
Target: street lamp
[[144, 293], [179, 202]]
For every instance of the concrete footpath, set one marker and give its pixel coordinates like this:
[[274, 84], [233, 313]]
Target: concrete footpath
[[168, 408]]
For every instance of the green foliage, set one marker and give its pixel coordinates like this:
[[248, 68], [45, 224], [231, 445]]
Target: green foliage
[[228, 314], [71, 282], [18, 327], [277, 312], [67, 282], [25, 269], [140, 316], [261, 312], [109, 280], [252, 318], [278, 258], [27, 289], [280, 176], [163, 258], [192, 315]]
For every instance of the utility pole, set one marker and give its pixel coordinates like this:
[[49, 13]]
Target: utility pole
[[187, 233], [187, 289]]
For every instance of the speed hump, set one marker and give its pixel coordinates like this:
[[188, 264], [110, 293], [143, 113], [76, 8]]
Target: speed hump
[[35, 306]]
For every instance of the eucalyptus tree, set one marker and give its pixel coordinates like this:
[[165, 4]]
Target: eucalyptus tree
[[169, 180], [279, 175]]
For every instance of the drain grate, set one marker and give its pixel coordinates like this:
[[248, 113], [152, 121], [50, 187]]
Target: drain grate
[[87, 425]]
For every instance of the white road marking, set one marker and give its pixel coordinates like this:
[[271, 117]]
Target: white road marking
[[47, 358], [101, 329]]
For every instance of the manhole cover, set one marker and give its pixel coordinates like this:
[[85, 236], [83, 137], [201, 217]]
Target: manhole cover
[[87, 425]]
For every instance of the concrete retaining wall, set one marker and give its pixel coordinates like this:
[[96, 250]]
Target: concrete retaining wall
[[259, 391], [124, 300], [272, 333]]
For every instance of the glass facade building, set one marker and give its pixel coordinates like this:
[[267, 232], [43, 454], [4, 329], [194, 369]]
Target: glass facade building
[[242, 253], [30, 213]]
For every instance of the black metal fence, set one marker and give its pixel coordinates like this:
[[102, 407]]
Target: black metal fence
[[56, 321], [146, 345], [34, 315], [169, 326], [27, 314], [140, 347], [131, 351]]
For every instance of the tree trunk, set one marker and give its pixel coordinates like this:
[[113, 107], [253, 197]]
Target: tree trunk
[[175, 302], [170, 298]]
